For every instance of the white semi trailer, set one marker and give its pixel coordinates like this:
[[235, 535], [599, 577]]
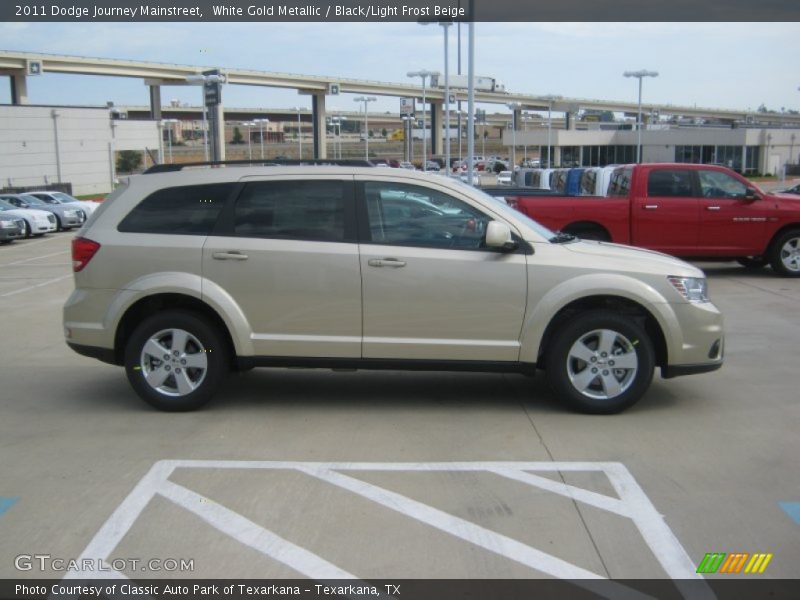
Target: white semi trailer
[[461, 82]]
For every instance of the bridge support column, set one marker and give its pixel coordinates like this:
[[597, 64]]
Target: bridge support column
[[19, 87], [155, 102], [319, 127]]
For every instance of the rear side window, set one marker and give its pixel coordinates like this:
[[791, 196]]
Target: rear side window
[[294, 210], [588, 183], [669, 182], [620, 184], [186, 210]]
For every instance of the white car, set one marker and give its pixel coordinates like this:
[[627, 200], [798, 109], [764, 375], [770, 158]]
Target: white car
[[62, 198], [37, 222], [464, 177], [504, 178]]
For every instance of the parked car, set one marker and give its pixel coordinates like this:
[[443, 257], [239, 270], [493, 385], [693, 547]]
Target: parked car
[[304, 267], [432, 165], [681, 209], [504, 178], [61, 198], [64, 216], [795, 189], [11, 227], [407, 165], [37, 222], [464, 177]]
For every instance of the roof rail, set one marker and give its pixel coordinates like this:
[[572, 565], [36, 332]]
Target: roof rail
[[172, 167]]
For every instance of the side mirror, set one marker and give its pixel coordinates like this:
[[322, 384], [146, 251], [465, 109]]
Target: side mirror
[[498, 235], [751, 194]]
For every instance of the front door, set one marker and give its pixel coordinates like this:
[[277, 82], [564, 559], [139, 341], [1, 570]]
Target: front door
[[431, 290]]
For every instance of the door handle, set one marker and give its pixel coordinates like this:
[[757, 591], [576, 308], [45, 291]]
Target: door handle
[[386, 262], [232, 255], [650, 206], [712, 207]]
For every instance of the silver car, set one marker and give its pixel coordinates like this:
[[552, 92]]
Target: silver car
[[182, 276], [66, 217]]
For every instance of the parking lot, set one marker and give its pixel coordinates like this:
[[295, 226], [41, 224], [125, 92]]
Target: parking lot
[[397, 474]]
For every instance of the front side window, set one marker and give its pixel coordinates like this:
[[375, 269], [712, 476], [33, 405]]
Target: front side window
[[186, 210], [670, 183], [715, 184], [294, 210], [408, 215]]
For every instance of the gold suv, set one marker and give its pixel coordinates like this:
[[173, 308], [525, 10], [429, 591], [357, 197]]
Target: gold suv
[[183, 276]]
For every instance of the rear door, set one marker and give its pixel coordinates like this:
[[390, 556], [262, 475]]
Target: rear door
[[285, 251], [667, 216], [431, 290]]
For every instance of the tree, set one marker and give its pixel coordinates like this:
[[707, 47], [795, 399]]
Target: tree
[[128, 161], [384, 132], [238, 138]]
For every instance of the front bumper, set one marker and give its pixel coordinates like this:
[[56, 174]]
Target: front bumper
[[11, 233], [698, 342]]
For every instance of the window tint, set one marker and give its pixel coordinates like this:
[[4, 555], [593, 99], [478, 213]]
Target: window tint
[[187, 210], [715, 184], [295, 210], [669, 182], [620, 184], [409, 215]]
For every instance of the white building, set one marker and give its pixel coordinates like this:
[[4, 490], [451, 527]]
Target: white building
[[748, 150], [43, 145]]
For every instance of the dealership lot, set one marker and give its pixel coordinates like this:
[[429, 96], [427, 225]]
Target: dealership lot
[[714, 454]]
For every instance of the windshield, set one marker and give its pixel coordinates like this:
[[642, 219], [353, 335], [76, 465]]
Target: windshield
[[6, 206], [504, 209], [64, 197]]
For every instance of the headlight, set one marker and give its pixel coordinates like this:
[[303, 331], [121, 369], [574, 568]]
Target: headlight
[[71, 213], [693, 289], [7, 224]]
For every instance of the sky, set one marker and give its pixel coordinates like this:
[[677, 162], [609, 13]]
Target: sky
[[721, 65]]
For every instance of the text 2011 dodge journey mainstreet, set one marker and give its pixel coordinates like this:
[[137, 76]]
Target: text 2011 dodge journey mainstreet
[[183, 276]]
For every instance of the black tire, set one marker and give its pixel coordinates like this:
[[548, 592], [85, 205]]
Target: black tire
[[203, 339], [784, 254], [630, 340], [753, 262], [589, 232], [28, 231], [59, 227]]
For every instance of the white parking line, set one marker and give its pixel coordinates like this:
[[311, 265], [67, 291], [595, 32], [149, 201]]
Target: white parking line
[[632, 503], [33, 287], [25, 260]]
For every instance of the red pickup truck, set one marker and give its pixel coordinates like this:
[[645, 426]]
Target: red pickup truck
[[687, 210]]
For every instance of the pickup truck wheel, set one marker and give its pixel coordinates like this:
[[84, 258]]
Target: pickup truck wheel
[[785, 254], [589, 232], [176, 361], [752, 262], [600, 362]]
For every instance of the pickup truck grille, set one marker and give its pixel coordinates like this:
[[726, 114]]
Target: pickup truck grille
[[51, 217]]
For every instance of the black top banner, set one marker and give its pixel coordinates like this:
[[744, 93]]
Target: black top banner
[[400, 10]]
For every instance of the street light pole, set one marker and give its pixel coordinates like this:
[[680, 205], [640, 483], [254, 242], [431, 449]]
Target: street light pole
[[550, 99], [249, 125], [366, 100], [299, 133], [261, 133], [514, 106], [641, 74], [445, 27], [169, 123], [423, 74]]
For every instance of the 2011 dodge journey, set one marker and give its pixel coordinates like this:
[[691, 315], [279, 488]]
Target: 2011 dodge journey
[[182, 276]]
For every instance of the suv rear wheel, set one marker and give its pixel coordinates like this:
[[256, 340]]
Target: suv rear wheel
[[600, 362], [176, 361]]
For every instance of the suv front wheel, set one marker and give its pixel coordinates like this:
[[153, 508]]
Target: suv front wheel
[[176, 361], [600, 362]]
